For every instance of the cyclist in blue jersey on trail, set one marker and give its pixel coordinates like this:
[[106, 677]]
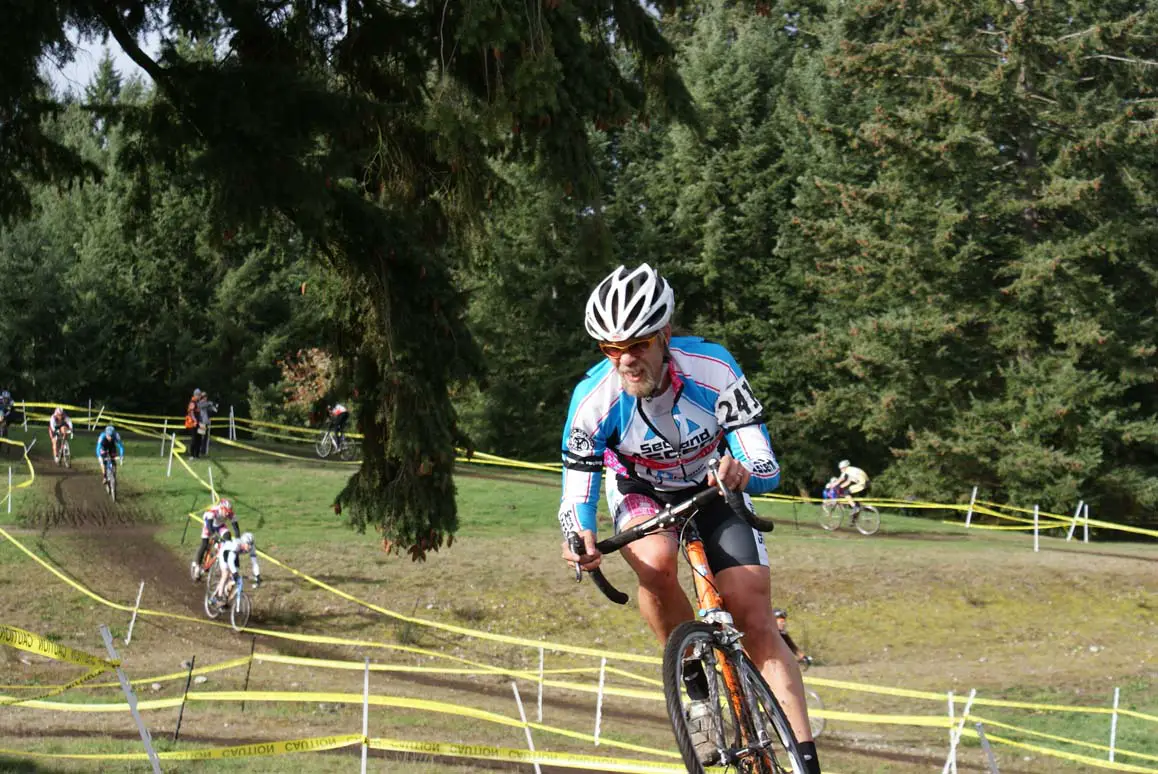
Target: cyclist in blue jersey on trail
[[109, 446], [656, 410]]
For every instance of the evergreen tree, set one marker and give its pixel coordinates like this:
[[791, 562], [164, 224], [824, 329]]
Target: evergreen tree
[[370, 127], [977, 199]]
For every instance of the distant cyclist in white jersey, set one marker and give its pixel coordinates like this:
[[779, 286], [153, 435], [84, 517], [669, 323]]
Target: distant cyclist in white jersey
[[656, 410], [229, 560]]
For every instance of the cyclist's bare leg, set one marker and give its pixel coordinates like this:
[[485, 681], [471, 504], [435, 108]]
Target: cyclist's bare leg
[[662, 602], [747, 595]]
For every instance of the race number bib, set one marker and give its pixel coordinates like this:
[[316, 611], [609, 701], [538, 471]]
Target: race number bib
[[738, 406]]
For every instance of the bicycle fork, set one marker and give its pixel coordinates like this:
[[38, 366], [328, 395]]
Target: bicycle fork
[[742, 703]]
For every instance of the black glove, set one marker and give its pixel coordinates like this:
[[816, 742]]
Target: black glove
[[256, 581]]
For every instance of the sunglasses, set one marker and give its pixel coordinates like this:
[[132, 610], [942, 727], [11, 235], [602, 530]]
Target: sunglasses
[[636, 347]]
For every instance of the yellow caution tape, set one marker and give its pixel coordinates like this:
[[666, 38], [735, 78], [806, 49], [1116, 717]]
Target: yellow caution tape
[[988, 722], [62, 706], [28, 462], [259, 749], [205, 670], [978, 701], [34, 643], [510, 755], [507, 639], [90, 675], [1099, 763], [271, 453]]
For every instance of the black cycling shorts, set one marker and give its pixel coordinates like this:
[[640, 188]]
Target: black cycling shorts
[[728, 540]]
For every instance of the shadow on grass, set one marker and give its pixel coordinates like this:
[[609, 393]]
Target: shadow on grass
[[24, 766]]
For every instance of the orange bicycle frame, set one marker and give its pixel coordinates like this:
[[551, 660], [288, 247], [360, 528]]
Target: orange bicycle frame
[[708, 598]]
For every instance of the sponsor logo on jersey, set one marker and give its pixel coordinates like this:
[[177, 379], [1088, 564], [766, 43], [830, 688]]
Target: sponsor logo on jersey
[[764, 467], [662, 450], [580, 442]]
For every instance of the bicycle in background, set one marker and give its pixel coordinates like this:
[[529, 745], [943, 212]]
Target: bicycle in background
[[747, 725], [327, 444], [836, 507], [110, 470], [64, 447]]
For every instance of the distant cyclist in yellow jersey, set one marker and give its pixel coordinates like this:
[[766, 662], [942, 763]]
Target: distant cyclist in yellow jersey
[[852, 481]]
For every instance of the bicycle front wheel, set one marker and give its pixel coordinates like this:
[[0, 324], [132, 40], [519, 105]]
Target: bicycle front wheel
[[323, 446], [831, 515], [239, 612], [211, 580], [111, 482], [66, 455], [715, 724], [779, 753], [349, 450], [868, 521]]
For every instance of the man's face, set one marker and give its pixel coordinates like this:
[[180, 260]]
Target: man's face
[[640, 364]]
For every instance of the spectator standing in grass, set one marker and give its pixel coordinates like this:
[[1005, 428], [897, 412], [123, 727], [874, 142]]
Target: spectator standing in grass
[[205, 407], [192, 423]]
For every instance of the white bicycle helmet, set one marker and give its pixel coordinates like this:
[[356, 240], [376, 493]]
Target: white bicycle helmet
[[629, 305], [843, 464], [247, 538]]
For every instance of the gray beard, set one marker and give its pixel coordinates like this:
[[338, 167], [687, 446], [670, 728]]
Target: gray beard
[[640, 389]]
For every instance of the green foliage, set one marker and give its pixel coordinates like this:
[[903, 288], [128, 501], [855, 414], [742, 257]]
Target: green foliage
[[974, 207], [923, 228]]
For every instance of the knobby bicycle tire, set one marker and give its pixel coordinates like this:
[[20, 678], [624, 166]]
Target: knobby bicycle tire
[[239, 611], [111, 481], [348, 450], [695, 641], [66, 454], [211, 579], [832, 515], [323, 446], [868, 521]]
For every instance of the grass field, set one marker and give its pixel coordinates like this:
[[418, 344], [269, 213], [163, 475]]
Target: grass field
[[922, 606]]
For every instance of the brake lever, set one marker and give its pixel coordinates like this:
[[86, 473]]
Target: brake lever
[[575, 543]]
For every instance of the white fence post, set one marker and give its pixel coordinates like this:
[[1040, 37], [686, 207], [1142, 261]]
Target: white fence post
[[1035, 531], [1086, 524], [133, 620], [88, 416], [526, 728], [232, 426], [1074, 523], [24, 405], [955, 735], [97, 421], [599, 699], [131, 698], [365, 714], [172, 446], [1114, 725], [952, 751], [972, 502]]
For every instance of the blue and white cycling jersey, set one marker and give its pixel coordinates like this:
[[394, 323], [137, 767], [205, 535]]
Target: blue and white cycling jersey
[[665, 441]]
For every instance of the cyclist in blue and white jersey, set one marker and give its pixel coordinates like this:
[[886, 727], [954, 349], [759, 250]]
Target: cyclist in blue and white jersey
[[109, 446], [658, 408]]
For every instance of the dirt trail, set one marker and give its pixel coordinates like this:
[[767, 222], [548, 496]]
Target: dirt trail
[[121, 533]]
